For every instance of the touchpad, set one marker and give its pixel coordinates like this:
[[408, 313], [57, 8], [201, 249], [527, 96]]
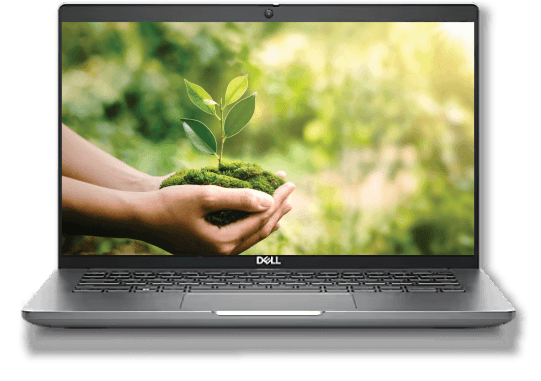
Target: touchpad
[[267, 302]]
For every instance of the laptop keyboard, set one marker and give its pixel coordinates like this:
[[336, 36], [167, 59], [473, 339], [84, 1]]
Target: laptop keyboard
[[268, 281]]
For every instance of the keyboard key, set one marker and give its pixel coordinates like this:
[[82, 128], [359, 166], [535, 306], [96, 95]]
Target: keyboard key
[[254, 287], [422, 289], [363, 289], [95, 283], [174, 287], [112, 287], [228, 287], [326, 276], [309, 288], [370, 283], [406, 277], [90, 287], [436, 283], [146, 289], [283, 287], [401, 283], [452, 286], [201, 287], [336, 288]]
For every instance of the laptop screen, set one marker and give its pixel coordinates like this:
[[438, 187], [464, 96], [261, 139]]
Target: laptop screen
[[176, 134]]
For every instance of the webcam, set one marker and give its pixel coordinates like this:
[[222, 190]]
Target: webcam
[[269, 13]]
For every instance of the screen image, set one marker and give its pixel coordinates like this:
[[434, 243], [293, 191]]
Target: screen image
[[183, 138]]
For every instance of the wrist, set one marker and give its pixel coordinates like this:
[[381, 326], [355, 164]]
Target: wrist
[[144, 207], [145, 183]]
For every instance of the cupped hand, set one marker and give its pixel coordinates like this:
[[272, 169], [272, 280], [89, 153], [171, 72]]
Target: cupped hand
[[173, 218]]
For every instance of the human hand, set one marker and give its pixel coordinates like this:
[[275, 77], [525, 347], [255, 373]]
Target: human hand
[[174, 217]]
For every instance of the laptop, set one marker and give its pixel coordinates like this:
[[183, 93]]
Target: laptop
[[268, 166]]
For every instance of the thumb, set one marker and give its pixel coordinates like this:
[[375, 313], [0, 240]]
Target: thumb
[[248, 200]]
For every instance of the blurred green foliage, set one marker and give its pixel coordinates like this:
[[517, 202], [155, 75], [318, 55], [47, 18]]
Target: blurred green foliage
[[374, 122]]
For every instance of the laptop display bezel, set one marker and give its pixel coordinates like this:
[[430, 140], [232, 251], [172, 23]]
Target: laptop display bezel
[[282, 13]]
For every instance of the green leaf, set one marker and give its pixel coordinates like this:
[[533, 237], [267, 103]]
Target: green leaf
[[239, 116], [200, 136], [235, 89], [200, 97]]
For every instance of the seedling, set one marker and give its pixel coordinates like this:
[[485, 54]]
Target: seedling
[[234, 174], [231, 123]]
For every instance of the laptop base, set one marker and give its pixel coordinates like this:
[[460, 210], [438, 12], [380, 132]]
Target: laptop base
[[41, 336]]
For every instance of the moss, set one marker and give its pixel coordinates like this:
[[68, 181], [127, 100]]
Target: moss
[[234, 174]]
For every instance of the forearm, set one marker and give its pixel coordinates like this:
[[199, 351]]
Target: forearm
[[83, 161], [88, 209]]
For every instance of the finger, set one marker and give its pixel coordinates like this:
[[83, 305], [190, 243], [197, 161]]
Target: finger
[[271, 226], [217, 198], [276, 217], [251, 241], [258, 221], [248, 226], [280, 195], [281, 174]]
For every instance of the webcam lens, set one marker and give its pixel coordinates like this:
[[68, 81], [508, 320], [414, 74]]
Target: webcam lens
[[269, 13]]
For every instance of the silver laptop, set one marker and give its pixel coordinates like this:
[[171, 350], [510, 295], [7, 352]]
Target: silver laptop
[[276, 165]]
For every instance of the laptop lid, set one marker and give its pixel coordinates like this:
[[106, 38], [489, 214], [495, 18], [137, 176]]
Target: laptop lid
[[371, 110]]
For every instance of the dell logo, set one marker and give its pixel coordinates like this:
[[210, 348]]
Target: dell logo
[[267, 260]]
